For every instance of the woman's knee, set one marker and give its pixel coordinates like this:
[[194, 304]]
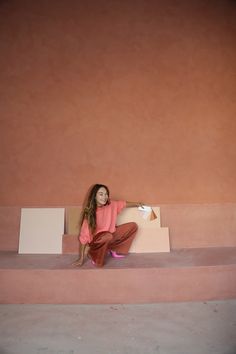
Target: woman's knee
[[134, 226], [104, 237]]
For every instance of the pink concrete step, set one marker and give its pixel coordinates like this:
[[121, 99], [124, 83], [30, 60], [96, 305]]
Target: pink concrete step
[[70, 244], [182, 275]]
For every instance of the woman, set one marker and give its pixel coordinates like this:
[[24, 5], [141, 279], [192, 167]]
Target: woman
[[98, 228]]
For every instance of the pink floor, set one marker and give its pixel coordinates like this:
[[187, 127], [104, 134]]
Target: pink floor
[[162, 328]]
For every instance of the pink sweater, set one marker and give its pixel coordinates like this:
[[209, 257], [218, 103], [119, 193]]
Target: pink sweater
[[105, 219]]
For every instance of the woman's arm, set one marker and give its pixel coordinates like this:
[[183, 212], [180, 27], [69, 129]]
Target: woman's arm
[[84, 240], [79, 262], [133, 204]]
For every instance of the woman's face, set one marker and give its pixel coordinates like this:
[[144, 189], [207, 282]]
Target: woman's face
[[101, 197]]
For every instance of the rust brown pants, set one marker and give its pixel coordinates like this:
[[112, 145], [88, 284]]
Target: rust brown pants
[[119, 241]]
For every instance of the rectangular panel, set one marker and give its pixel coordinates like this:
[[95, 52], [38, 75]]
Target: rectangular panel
[[151, 240], [151, 237], [41, 230], [72, 220]]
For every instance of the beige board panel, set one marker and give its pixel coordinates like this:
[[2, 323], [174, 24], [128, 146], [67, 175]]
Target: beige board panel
[[151, 240], [41, 230], [135, 215], [151, 237], [72, 220]]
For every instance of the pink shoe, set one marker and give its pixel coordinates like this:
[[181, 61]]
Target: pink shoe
[[116, 255], [89, 257]]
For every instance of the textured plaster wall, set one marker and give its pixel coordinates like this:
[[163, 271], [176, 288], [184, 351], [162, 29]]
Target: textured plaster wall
[[139, 95]]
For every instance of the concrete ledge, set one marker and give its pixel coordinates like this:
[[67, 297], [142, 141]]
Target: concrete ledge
[[184, 275]]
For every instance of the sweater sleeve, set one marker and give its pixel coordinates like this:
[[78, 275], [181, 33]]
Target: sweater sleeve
[[121, 204], [85, 234]]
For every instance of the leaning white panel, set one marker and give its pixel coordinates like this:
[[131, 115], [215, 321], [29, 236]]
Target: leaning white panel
[[41, 230]]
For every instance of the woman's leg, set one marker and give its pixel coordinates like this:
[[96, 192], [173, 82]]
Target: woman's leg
[[123, 237], [98, 247]]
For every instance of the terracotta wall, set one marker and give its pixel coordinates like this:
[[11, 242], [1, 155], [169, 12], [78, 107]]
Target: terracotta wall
[[139, 95]]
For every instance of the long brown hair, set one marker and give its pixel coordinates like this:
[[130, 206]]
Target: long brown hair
[[90, 206]]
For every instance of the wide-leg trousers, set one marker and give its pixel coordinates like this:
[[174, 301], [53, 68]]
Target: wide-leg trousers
[[119, 241]]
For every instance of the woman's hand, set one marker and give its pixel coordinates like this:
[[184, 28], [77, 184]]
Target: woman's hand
[[134, 204], [82, 250], [140, 205], [79, 262]]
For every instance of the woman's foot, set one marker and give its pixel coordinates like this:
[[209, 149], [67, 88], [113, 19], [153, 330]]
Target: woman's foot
[[116, 255]]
